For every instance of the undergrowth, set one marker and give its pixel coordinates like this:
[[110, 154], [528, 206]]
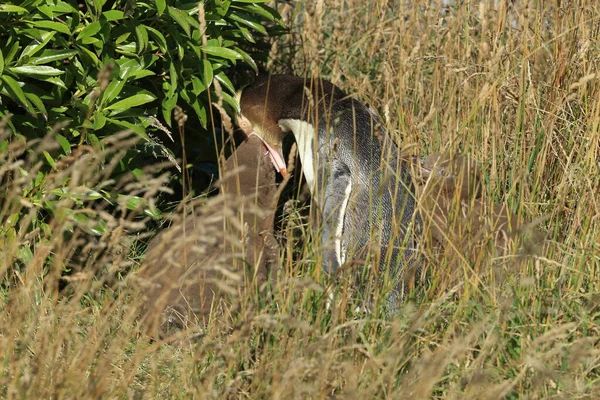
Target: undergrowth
[[514, 84]]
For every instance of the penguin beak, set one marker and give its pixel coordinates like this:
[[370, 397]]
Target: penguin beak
[[276, 156]]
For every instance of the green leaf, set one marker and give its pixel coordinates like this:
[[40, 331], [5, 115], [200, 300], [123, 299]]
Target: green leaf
[[54, 80], [173, 80], [62, 7], [245, 33], [159, 38], [260, 9], [233, 103], [142, 38], [181, 18], [200, 112], [249, 1], [207, 75], [222, 52], [137, 129], [49, 159], [59, 110], [98, 5], [131, 202], [249, 60], [141, 74], [160, 6], [10, 8], [46, 10], [41, 70], [130, 102], [25, 254], [93, 58], [36, 45], [167, 107], [55, 26], [180, 50], [16, 93], [93, 41], [91, 225], [122, 38], [222, 7], [49, 56], [136, 202], [248, 20], [11, 53], [128, 66], [89, 30], [64, 143], [99, 120], [1, 62], [128, 49], [224, 81], [197, 85], [153, 212], [37, 102], [77, 193], [113, 15]]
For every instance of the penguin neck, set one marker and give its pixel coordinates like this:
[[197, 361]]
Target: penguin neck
[[304, 132]]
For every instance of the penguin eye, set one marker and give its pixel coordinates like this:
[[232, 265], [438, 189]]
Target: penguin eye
[[244, 124]]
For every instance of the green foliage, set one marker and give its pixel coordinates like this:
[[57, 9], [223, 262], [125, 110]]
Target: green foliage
[[39, 207], [74, 73], [108, 66]]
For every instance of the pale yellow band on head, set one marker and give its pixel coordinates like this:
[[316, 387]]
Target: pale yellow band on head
[[238, 98]]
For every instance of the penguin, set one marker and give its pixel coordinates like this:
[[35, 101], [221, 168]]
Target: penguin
[[455, 217], [362, 189], [193, 269]]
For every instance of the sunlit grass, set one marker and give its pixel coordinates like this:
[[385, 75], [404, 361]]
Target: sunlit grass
[[515, 87]]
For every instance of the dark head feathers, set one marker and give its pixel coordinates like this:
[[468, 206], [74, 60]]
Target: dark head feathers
[[275, 97]]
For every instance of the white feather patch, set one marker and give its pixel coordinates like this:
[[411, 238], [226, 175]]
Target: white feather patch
[[339, 229], [304, 133]]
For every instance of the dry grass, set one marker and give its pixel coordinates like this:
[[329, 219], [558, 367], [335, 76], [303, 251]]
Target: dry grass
[[517, 87]]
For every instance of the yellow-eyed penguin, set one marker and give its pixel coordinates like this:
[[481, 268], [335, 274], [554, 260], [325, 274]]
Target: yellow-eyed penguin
[[195, 267], [362, 189]]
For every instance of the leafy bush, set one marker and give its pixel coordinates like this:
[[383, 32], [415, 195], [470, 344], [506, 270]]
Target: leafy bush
[[73, 74], [107, 66]]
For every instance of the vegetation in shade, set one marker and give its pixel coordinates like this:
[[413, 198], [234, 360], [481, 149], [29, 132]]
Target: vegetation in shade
[[105, 66], [87, 70], [514, 84]]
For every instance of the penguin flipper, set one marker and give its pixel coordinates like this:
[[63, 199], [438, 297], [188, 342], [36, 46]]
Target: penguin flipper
[[337, 190]]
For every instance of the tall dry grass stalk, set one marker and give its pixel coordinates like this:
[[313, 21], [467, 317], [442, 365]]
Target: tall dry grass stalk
[[514, 84]]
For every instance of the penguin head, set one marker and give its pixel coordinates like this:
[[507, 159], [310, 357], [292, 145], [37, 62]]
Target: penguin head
[[261, 109], [270, 101], [273, 98], [262, 106], [275, 105]]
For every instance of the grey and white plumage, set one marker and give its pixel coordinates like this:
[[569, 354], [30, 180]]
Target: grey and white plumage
[[363, 191]]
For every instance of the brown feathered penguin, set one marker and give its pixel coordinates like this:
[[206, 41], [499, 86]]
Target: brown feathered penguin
[[218, 255], [455, 218]]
